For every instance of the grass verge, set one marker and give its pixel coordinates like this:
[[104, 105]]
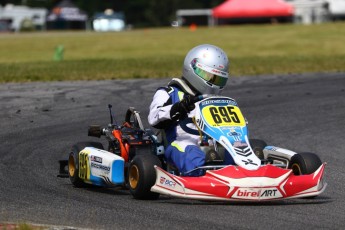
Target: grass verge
[[155, 53]]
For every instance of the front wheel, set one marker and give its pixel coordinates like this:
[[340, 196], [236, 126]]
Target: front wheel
[[142, 176], [304, 163], [258, 147]]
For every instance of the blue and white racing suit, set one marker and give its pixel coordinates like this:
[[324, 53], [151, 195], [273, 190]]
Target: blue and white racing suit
[[183, 150]]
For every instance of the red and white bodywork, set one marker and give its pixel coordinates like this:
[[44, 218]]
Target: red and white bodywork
[[234, 183], [221, 119]]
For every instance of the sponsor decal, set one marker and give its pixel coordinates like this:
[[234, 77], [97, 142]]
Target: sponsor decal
[[162, 180], [218, 72], [96, 159], [99, 166], [272, 148], [167, 182], [249, 161], [233, 133], [240, 144], [252, 193], [219, 101]]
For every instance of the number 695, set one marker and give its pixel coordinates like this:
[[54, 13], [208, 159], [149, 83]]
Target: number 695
[[224, 114]]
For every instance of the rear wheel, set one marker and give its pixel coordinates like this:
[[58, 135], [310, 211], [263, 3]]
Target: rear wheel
[[304, 163], [258, 147], [73, 161], [142, 176]]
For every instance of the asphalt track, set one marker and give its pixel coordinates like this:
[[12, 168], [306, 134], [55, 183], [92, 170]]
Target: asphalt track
[[40, 121]]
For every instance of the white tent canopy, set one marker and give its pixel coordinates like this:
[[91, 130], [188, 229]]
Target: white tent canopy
[[19, 13], [181, 14]]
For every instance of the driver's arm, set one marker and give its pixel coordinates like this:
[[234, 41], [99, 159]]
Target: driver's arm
[[159, 115]]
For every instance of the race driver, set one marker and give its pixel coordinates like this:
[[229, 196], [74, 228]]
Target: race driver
[[205, 71]]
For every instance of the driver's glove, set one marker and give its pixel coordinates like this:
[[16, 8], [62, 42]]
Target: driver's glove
[[180, 109]]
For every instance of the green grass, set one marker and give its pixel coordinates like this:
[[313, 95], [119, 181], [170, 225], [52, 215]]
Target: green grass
[[22, 226], [155, 53]]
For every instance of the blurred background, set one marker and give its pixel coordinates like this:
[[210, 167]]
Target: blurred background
[[117, 15]]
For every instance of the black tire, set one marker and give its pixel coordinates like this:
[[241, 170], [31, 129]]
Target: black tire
[[73, 161], [258, 147], [304, 163], [142, 176]]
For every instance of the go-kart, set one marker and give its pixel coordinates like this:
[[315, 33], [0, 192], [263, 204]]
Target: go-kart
[[135, 160]]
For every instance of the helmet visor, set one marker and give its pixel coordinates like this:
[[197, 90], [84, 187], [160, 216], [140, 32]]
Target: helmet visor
[[211, 75]]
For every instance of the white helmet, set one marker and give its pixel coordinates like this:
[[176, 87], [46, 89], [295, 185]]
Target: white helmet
[[206, 68]]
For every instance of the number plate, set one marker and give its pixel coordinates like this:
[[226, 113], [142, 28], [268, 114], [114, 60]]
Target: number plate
[[84, 171], [221, 119], [217, 116]]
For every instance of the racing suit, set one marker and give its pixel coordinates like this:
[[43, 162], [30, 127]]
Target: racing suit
[[182, 135]]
